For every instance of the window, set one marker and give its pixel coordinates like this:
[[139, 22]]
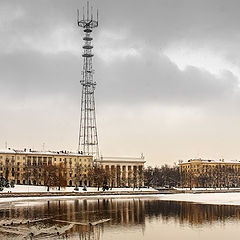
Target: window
[[49, 160]]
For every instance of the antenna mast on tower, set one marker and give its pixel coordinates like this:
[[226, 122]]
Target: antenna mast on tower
[[88, 139]]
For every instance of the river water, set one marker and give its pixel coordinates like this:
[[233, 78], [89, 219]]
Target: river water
[[118, 219]]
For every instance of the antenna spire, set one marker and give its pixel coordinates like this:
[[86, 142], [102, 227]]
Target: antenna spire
[[87, 10]]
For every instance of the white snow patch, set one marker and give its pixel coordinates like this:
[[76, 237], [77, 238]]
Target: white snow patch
[[206, 198], [43, 189]]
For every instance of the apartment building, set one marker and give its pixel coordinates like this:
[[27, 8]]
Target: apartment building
[[209, 173], [27, 166]]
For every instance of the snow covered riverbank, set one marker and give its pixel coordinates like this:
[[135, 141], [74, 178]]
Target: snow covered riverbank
[[206, 198], [43, 189], [224, 198]]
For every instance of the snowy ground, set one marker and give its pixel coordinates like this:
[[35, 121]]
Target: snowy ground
[[206, 189], [43, 189], [206, 198]]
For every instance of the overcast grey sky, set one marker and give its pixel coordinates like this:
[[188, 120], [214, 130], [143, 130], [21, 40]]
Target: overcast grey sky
[[167, 72]]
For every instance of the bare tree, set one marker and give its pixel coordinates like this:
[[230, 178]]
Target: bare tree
[[54, 176], [164, 176], [97, 175]]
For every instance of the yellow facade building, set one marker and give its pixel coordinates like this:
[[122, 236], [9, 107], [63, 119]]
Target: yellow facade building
[[27, 166], [209, 173]]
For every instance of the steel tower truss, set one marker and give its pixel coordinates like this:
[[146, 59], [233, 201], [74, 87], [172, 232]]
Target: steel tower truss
[[88, 138]]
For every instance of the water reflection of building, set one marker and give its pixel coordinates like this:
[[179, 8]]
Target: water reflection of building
[[190, 213], [128, 213]]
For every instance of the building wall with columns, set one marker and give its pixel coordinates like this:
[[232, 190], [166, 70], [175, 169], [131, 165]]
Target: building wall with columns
[[124, 172]]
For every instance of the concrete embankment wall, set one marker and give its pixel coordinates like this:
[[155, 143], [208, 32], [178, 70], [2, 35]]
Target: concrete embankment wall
[[111, 193], [56, 194]]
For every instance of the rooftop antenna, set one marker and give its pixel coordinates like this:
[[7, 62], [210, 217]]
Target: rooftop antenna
[[87, 10], [88, 138]]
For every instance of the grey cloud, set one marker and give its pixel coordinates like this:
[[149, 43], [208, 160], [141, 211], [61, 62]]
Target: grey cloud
[[157, 80], [29, 79]]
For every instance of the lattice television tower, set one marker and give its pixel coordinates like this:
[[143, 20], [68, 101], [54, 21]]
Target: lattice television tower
[[88, 139]]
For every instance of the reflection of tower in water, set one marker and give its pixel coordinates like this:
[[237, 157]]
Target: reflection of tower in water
[[122, 214]]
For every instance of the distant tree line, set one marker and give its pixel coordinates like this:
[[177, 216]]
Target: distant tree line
[[163, 176]]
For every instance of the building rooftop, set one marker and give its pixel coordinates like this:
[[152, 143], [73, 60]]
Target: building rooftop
[[29, 151], [199, 160], [122, 159]]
